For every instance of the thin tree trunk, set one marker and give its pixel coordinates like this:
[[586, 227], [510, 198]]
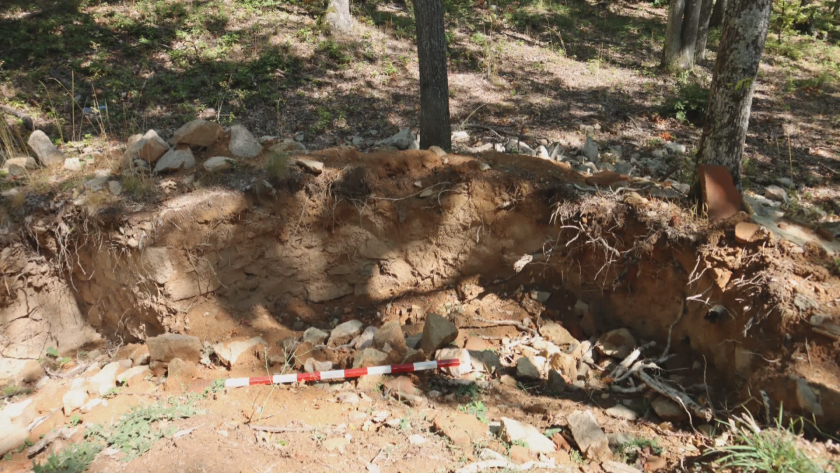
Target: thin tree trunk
[[688, 39], [727, 117], [337, 16], [703, 31], [717, 14], [435, 129], [673, 33]]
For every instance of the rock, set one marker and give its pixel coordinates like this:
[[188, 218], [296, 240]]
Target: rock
[[617, 343], [540, 296], [45, 151], [300, 137], [514, 431], [369, 357], [412, 341], [180, 371], [290, 147], [485, 361], [417, 439], [675, 148], [438, 151], [404, 139], [519, 454], [14, 410], [73, 399], [345, 332], [776, 193], [197, 133], [680, 187], [558, 335], [229, 353], [624, 168], [32, 372], [455, 353], [618, 467], [622, 412], [357, 141], [668, 410], [556, 382], [12, 436], [660, 153], [165, 347], [335, 444], [807, 398], [401, 385], [149, 147], [314, 336], [590, 149], [105, 380], [312, 365], [526, 368], [390, 335], [746, 232], [73, 164], [437, 333], [20, 166], [174, 160], [242, 143], [461, 428], [90, 405], [311, 165], [785, 182], [591, 440], [132, 372], [115, 187], [516, 146], [218, 163], [365, 340], [95, 184], [565, 364], [413, 356], [542, 152], [460, 137], [348, 398]]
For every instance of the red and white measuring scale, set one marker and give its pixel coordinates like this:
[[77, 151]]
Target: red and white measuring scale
[[340, 374]]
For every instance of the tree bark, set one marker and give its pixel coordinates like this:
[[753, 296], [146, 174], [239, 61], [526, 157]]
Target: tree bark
[[435, 129], [703, 31], [337, 16], [727, 117], [688, 38], [717, 14], [673, 33]]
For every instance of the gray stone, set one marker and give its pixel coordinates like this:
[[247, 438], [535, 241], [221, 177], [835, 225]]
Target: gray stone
[[807, 398], [660, 153], [404, 139], [369, 357], [357, 141], [668, 410], [44, 150], [390, 335], [590, 149], [168, 346], [617, 343], [527, 368], [230, 352], [675, 148], [540, 296], [314, 336], [197, 133], [623, 167], [312, 365], [412, 341], [174, 160], [437, 333], [218, 163], [558, 335], [142, 166], [459, 354], [96, 184], [115, 187], [20, 166], [311, 165], [345, 332], [556, 382], [514, 431], [72, 400], [242, 143], [460, 137], [542, 152], [73, 164], [149, 147], [622, 412], [290, 147], [776, 193], [516, 146], [591, 440], [365, 340], [785, 182], [123, 377]]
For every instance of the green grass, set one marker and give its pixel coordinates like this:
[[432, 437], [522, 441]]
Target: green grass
[[74, 459], [476, 408], [629, 451]]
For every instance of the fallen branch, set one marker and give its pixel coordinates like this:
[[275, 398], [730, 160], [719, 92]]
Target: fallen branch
[[679, 397], [671, 329], [628, 362], [500, 131]]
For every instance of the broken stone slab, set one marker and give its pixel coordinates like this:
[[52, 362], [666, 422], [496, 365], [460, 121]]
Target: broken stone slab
[[242, 143], [390, 335], [45, 151], [142, 370], [369, 357], [312, 365], [73, 399], [365, 340], [437, 333], [311, 165], [344, 333], [174, 160], [165, 347], [591, 440], [618, 343], [622, 412], [558, 335], [459, 354], [197, 133], [514, 431], [314, 336], [218, 163], [229, 353], [461, 428], [668, 410]]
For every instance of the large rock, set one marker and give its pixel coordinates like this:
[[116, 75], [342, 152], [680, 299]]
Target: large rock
[[565, 364], [174, 160], [668, 410], [461, 428], [515, 431], [369, 357], [179, 374], [807, 398], [556, 382], [365, 340], [20, 166], [591, 440], [345, 332], [776, 193], [149, 147], [310, 165], [165, 347], [622, 412], [143, 370], [242, 143], [197, 133], [390, 337], [590, 150], [312, 365], [526, 368], [12, 436], [105, 380], [459, 354], [617, 343], [218, 163], [44, 150], [437, 333], [314, 336], [558, 335], [228, 353], [290, 147], [404, 139], [73, 399]]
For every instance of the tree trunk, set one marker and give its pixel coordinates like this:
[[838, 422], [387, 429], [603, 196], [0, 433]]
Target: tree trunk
[[703, 31], [728, 114], [673, 33], [688, 38], [337, 16], [717, 14], [434, 83]]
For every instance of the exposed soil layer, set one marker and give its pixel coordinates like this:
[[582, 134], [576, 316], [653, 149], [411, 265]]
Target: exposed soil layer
[[392, 236]]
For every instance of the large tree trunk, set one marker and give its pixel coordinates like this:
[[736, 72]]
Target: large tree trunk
[[681, 34], [673, 33], [434, 83], [337, 16], [688, 40], [703, 31], [728, 115], [717, 14]]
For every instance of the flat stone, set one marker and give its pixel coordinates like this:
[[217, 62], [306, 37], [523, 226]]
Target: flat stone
[[526, 368], [96, 184], [313, 366], [617, 343], [72, 400], [45, 151], [174, 160], [460, 354], [622, 412], [142, 370], [401, 385], [675, 148], [720, 195], [558, 335], [365, 340], [348, 398], [242, 143], [314, 336], [92, 404], [229, 353], [73, 164], [668, 410], [807, 398], [437, 333], [218, 163], [776, 193], [115, 187], [514, 431], [461, 428], [311, 165], [12, 436], [345, 332], [390, 335], [172, 345], [591, 440], [369, 357], [105, 380], [746, 232], [519, 454], [197, 133]]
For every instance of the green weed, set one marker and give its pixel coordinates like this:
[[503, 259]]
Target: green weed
[[73, 459], [629, 451], [476, 408]]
